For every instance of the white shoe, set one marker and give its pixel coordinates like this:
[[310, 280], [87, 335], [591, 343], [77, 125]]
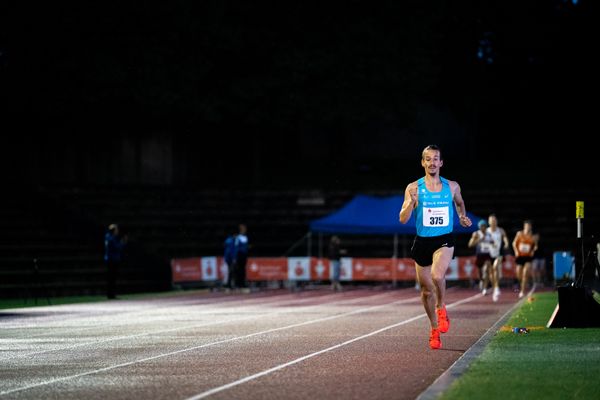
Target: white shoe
[[484, 292], [496, 294], [521, 294]]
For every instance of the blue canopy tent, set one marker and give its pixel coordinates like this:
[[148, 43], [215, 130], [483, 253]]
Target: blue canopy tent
[[376, 215]]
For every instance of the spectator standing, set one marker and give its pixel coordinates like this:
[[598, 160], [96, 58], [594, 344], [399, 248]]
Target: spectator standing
[[229, 258], [335, 256], [113, 249], [242, 246]]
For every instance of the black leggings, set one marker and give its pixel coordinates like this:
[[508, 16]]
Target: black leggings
[[240, 270]]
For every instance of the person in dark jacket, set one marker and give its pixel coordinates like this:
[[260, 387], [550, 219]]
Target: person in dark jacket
[[113, 249], [229, 257], [241, 256], [335, 256]]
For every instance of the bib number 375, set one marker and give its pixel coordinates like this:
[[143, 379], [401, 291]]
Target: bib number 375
[[436, 217]]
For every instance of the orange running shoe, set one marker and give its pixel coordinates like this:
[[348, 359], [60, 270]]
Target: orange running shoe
[[434, 339], [443, 320]]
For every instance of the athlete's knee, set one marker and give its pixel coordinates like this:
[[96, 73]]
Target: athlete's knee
[[426, 292], [438, 276]]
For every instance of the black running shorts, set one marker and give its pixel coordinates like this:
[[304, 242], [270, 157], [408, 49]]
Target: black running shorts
[[423, 248], [521, 260]]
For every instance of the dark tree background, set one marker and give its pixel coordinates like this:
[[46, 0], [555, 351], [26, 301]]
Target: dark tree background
[[296, 93]]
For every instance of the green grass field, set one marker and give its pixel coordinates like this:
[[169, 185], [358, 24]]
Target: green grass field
[[543, 364]]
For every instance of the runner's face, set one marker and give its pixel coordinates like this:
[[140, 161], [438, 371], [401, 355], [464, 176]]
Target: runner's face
[[431, 162]]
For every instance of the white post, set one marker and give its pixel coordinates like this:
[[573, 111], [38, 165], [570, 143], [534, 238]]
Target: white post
[[579, 215]]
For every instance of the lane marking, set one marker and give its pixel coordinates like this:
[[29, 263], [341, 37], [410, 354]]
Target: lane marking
[[226, 306], [266, 314], [306, 357], [459, 367], [97, 311], [64, 378]]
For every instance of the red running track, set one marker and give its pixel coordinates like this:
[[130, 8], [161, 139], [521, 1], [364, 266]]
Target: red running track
[[361, 343]]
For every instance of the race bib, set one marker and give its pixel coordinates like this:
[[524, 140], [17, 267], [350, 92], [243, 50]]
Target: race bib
[[436, 217], [524, 247], [485, 247]]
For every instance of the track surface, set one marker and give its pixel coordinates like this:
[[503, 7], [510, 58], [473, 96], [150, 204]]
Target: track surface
[[357, 344]]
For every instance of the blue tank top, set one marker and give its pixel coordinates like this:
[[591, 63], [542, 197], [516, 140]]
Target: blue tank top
[[435, 212]]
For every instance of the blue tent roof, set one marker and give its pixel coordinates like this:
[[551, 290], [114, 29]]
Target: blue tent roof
[[375, 215]]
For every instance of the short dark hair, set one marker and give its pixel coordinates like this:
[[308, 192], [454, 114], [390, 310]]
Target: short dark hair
[[432, 147]]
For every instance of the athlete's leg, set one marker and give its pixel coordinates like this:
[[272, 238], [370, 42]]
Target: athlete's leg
[[496, 272], [427, 292], [496, 278], [524, 273], [427, 297], [519, 272], [441, 262], [486, 276], [520, 268]]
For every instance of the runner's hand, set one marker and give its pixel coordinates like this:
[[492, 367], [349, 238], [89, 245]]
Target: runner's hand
[[412, 191], [465, 221]]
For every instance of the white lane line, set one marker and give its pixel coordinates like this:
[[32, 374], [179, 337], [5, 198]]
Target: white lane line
[[126, 337], [298, 360], [161, 331], [64, 378], [242, 305], [456, 370], [106, 311]]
